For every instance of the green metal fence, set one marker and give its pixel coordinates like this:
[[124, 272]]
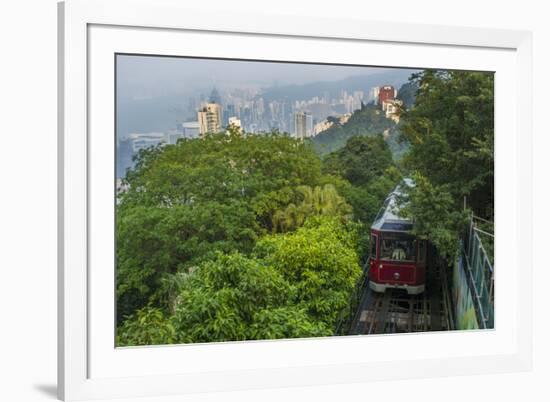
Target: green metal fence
[[480, 271], [349, 315]]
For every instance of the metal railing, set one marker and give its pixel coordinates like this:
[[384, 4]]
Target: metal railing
[[348, 315], [480, 273]]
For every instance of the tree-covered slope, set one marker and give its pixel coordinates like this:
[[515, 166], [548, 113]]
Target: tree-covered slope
[[369, 121]]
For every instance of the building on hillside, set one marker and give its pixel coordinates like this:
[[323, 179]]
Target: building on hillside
[[210, 118], [385, 94], [392, 108], [322, 126], [344, 118]]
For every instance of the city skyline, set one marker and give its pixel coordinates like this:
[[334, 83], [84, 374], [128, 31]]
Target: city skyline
[[187, 97]]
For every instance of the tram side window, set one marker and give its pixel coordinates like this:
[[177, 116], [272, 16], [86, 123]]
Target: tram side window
[[373, 239], [397, 248]]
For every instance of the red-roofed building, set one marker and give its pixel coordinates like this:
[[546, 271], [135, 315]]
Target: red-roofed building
[[386, 93]]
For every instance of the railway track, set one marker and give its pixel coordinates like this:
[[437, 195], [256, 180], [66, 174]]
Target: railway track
[[397, 312]]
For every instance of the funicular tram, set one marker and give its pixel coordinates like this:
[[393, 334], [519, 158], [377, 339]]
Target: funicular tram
[[397, 259]]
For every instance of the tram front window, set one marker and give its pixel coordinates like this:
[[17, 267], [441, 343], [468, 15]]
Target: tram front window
[[397, 248]]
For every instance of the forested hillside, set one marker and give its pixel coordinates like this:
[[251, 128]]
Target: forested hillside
[[370, 120]]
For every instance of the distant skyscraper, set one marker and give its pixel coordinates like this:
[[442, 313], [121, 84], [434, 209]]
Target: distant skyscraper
[[228, 112], [309, 125], [303, 125], [375, 91], [300, 125], [210, 118], [215, 97]]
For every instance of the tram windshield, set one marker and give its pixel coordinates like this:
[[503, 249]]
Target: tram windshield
[[397, 247]]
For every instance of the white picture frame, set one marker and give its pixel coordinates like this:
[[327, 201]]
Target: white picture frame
[[89, 366]]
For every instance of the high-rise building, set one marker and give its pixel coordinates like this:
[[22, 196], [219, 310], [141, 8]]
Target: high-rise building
[[300, 125], [303, 125], [228, 111], [210, 118], [309, 125], [374, 92], [215, 97]]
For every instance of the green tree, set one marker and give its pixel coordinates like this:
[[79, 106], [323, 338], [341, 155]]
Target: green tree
[[187, 201], [287, 322], [451, 134], [153, 242], [148, 326], [237, 298], [314, 201], [435, 215], [220, 167], [321, 260], [361, 160], [407, 93]]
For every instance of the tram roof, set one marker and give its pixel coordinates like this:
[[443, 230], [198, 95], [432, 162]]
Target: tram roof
[[388, 218]]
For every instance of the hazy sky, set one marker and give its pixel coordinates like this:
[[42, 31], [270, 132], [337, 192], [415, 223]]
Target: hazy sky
[[153, 75]]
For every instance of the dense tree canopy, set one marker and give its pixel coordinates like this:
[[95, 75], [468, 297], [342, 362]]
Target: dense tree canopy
[[407, 93], [295, 285], [320, 258], [314, 201], [361, 160], [451, 134], [148, 326], [188, 205]]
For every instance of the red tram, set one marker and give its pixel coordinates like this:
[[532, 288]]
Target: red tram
[[397, 259]]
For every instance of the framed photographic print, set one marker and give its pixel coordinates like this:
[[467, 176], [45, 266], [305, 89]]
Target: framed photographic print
[[261, 201]]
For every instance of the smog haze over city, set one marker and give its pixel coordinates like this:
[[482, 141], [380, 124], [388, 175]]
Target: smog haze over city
[[158, 98]]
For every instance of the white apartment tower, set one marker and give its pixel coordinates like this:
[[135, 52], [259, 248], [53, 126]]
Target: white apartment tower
[[300, 125], [303, 125], [210, 118]]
